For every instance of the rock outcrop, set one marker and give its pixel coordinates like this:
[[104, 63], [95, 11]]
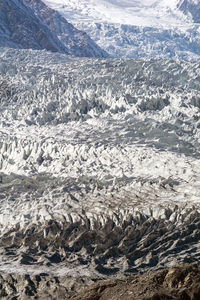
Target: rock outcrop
[[190, 7]]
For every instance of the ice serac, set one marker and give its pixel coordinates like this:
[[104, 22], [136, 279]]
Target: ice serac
[[102, 158], [130, 41], [23, 27]]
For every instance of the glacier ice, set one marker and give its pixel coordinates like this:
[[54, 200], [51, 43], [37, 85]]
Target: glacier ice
[[102, 157]]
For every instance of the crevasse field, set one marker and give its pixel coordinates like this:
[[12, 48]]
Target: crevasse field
[[100, 164]]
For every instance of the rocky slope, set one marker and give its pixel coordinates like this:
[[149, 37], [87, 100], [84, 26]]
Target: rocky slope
[[190, 7], [30, 24], [77, 42], [21, 28]]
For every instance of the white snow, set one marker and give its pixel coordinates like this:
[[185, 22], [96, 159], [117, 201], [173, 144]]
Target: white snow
[[149, 13]]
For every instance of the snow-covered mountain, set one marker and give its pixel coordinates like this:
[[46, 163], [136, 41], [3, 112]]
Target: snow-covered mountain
[[31, 24], [153, 28]]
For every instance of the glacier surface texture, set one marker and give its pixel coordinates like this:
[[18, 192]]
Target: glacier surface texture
[[99, 162]]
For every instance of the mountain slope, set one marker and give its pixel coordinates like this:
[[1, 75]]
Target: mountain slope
[[22, 26], [191, 8], [77, 42], [157, 29]]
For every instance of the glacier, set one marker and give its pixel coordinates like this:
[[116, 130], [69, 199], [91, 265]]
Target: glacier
[[100, 156]]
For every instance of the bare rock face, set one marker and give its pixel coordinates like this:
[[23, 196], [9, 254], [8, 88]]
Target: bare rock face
[[20, 28]]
